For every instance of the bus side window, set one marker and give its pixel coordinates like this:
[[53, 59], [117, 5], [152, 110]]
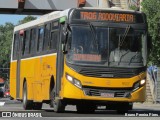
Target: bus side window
[[54, 39], [46, 37], [15, 46], [40, 39], [26, 40], [54, 35], [32, 41], [23, 45]]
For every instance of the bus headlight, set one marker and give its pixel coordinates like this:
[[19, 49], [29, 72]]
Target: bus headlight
[[69, 78], [136, 86], [142, 82], [139, 84], [74, 81]]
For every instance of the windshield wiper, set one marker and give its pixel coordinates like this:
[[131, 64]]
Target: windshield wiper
[[124, 36], [133, 57], [93, 31], [120, 59]]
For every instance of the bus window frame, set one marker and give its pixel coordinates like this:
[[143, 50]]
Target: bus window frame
[[26, 51], [54, 29], [39, 49], [15, 47], [45, 46], [57, 32], [32, 48], [23, 47]]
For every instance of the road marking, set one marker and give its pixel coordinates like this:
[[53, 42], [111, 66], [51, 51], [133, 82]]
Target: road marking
[[2, 103]]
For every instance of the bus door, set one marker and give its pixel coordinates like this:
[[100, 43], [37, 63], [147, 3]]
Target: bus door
[[19, 48], [60, 63]]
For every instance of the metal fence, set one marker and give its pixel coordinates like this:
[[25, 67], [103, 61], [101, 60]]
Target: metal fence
[[157, 85], [154, 73]]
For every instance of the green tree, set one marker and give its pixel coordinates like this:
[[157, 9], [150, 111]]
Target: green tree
[[6, 35], [152, 11], [6, 32], [27, 19], [133, 7]]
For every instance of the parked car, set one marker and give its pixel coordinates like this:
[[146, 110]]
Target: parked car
[[1, 87], [7, 93]]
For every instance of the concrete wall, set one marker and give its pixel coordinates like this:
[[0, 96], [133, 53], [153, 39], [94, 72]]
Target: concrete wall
[[47, 4], [9, 4]]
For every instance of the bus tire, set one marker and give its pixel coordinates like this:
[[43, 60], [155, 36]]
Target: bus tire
[[59, 106], [125, 108], [37, 106], [52, 96], [27, 104], [85, 108]]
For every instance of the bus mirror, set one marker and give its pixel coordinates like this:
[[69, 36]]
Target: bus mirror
[[64, 38], [65, 33], [64, 48], [21, 32]]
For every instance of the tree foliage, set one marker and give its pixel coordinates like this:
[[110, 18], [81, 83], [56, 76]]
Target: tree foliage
[[6, 32], [27, 19], [152, 10], [133, 7], [6, 35]]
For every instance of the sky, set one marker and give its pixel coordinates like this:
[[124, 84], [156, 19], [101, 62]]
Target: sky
[[10, 18]]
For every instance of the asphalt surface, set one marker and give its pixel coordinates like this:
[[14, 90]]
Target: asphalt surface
[[14, 108]]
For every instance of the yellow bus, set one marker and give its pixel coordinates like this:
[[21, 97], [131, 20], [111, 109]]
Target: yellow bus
[[86, 57]]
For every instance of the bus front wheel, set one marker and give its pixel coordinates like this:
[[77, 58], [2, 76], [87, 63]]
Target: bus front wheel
[[27, 104], [59, 106]]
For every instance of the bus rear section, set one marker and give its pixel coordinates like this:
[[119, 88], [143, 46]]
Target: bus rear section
[[33, 61]]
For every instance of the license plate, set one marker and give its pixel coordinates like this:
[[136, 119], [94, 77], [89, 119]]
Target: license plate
[[108, 95]]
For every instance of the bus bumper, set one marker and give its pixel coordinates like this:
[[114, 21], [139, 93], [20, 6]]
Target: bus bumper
[[72, 92]]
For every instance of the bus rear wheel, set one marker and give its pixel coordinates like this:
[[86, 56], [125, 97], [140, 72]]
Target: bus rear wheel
[[27, 104], [37, 105], [52, 96]]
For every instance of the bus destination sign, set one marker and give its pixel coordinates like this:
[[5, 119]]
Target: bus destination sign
[[108, 16], [116, 17]]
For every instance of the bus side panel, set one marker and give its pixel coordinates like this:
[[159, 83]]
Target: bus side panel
[[37, 91], [13, 79], [38, 84], [28, 72], [48, 68], [38, 72]]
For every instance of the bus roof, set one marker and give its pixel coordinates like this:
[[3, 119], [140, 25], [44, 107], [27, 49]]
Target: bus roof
[[111, 9], [57, 14], [45, 18]]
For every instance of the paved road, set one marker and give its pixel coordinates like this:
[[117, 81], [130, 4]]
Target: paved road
[[140, 110]]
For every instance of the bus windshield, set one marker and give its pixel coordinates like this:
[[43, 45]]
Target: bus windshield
[[106, 46]]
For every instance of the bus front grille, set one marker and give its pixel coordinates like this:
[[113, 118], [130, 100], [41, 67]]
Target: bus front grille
[[102, 92], [107, 74]]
